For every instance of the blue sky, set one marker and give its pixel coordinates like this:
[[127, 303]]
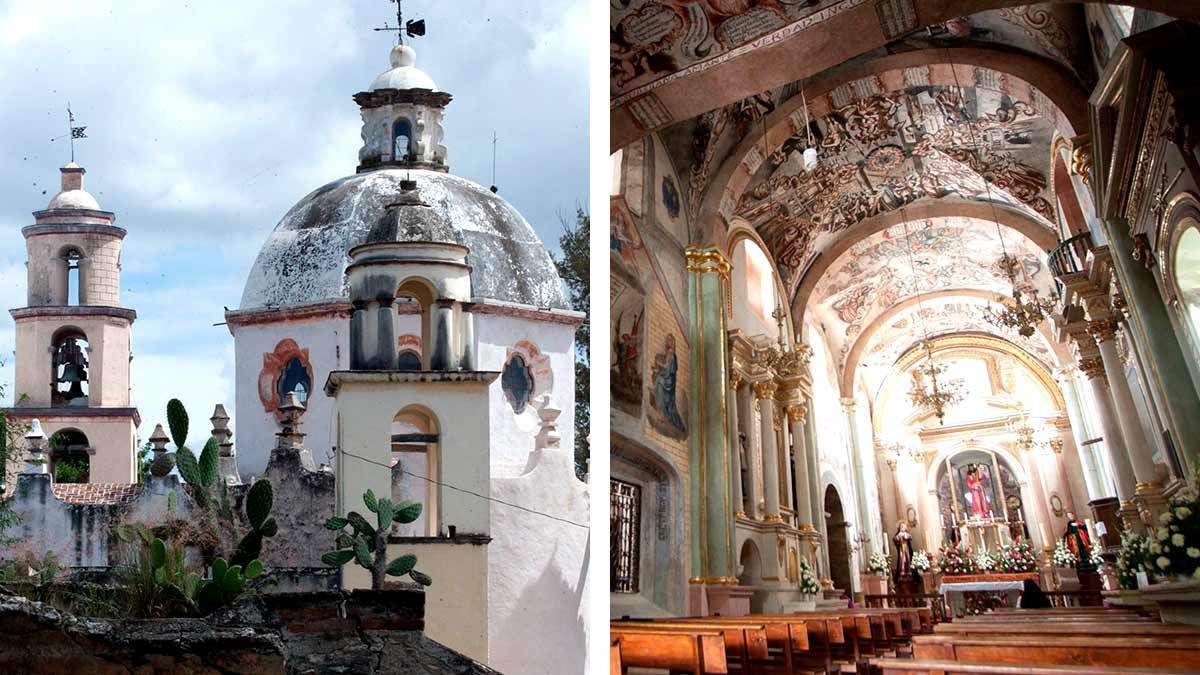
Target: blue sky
[[208, 120]]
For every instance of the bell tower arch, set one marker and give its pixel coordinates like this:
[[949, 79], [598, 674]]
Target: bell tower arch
[[73, 337]]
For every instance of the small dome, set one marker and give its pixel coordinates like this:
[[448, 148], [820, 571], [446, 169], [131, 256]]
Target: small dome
[[74, 199], [404, 73], [304, 260]]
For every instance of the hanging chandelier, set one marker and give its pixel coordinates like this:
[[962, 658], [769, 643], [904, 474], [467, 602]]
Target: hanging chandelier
[[932, 390], [929, 389], [1024, 310]]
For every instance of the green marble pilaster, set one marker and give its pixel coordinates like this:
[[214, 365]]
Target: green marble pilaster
[[1152, 330], [710, 473]]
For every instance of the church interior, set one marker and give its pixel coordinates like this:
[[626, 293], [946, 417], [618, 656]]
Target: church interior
[[905, 336]]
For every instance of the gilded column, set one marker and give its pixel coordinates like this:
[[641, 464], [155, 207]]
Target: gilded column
[[795, 414], [860, 483], [1136, 444], [764, 392], [710, 470], [1114, 443], [735, 445]]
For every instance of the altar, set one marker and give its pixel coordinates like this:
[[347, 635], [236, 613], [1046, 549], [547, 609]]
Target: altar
[[956, 588]]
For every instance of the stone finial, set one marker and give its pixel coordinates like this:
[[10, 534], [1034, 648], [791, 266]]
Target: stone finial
[[35, 442], [547, 437], [159, 440], [289, 434], [221, 432]]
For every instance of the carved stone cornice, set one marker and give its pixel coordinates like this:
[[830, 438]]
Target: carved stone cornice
[[765, 389]]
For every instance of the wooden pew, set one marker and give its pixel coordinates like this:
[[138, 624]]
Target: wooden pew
[[1146, 652], [931, 605], [745, 641], [1069, 628], [914, 667], [614, 659], [786, 637], [699, 652]]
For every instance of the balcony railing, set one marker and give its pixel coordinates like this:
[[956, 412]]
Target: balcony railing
[[1070, 256]]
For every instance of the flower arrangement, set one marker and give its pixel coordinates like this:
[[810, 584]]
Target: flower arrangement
[[1018, 558], [878, 564], [920, 561], [1133, 557], [1175, 547], [1063, 556], [808, 579], [956, 560], [1096, 557], [986, 562]]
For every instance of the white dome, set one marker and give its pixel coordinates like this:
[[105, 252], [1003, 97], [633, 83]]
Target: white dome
[[74, 199], [404, 73]]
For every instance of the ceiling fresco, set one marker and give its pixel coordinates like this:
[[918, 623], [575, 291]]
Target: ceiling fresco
[[936, 317], [650, 39], [880, 150], [947, 253]]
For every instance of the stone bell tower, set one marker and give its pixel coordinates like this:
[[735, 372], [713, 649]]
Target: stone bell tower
[[424, 434], [73, 337]]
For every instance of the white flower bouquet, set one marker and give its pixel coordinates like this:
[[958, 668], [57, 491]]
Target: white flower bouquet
[[878, 564], [808, 579], [1174, 548], [920, 561], [1063, 557]]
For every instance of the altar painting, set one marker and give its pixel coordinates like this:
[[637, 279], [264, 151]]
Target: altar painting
[[977, 493]]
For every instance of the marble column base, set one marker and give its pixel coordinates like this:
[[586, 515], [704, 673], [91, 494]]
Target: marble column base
[[1150, 501], [1131, 517]]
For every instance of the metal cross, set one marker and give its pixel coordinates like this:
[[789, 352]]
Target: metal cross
[[412, 28]]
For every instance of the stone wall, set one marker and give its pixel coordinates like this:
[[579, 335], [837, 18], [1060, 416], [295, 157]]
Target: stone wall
[[359, 632]]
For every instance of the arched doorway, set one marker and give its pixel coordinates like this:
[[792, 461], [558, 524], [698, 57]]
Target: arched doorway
[[750, 573], [70, 456], [839, 547]]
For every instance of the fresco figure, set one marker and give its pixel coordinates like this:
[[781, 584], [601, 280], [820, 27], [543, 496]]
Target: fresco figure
[[664, 375]]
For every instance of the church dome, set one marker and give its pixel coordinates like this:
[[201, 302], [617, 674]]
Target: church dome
[[404, 73], [304, 260]]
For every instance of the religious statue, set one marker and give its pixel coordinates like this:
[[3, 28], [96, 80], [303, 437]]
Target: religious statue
[[1077, 540], [904, 551], [977, 488]]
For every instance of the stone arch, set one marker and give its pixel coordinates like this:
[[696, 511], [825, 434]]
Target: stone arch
[[416, 456], [70, 367], [850, 367], [70, 456], [1013, 219], [837, 537]]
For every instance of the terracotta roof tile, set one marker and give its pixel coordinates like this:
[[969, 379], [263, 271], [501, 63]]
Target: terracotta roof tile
[[96, 494]]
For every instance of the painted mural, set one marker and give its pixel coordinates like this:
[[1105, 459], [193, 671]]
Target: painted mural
[[668, 199], [876, 273], [668, 405], [653, 38], [881, 150], [628, 274]]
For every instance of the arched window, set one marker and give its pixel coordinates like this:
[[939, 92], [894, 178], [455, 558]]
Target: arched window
[[74, 279], [402, 139], [69, 376], [409, 360], [1185, 266], [70, 456], [295, 377], [415, 438], [419, 291]]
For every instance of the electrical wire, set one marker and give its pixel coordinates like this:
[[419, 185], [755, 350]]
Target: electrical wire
[[463, 490]]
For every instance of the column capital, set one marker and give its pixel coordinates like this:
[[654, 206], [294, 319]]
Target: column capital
[[848, 403], [735, 379], [796, 412], [765, 389], [1092, 367], [707, 259], [1103, 330]]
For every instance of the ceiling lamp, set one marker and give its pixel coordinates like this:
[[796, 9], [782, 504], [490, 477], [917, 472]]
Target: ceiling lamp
[[929, 387], [1024, 310], [810, 153]]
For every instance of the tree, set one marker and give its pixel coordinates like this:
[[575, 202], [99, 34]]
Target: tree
[[575, 269], [10, 435]]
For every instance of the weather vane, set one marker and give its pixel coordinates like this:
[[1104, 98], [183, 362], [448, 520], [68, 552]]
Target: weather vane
[[74, 132], [412, 28]]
